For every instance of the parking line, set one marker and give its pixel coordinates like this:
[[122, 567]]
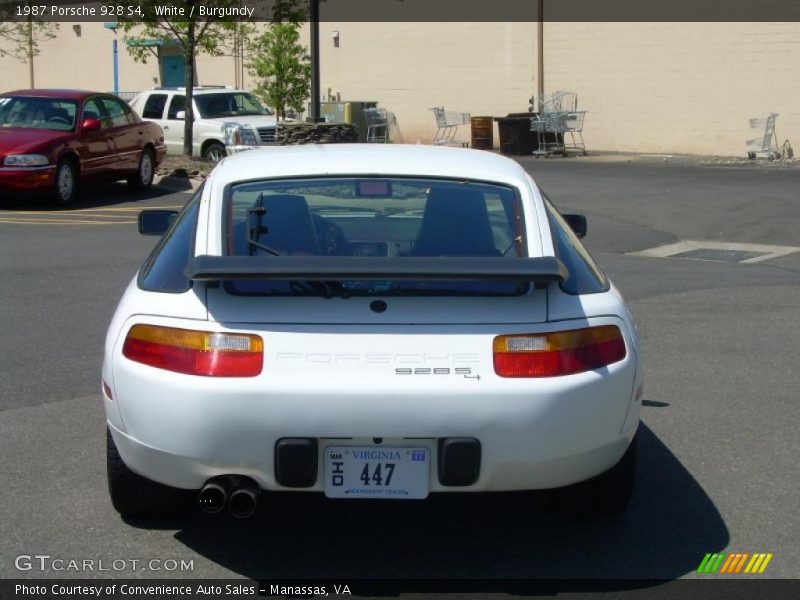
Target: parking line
[[61, 222], [85, 210]]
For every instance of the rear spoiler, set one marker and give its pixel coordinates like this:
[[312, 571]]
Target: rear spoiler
[[349, 268]]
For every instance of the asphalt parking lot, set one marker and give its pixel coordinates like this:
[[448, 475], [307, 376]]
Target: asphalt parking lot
[[718, 461]]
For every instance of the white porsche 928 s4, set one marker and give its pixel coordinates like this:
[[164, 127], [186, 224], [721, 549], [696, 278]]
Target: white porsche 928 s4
[[369, 322]]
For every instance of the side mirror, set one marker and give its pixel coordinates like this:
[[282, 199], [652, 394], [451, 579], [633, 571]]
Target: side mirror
[[577, 223], [181, 115], [91, 124], [156, 222]]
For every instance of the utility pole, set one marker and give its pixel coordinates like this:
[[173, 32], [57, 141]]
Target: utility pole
[[314, 113], [540, 54]]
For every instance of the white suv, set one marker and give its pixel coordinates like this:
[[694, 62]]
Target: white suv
[[214, 108]]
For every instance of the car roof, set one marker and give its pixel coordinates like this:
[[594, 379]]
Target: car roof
[[369, 159], [61, 94], [199, 91]]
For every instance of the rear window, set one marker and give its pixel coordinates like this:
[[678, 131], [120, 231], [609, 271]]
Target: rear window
[[375, 217]]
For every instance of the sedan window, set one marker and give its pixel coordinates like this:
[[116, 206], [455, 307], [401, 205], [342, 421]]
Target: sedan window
[[116, 111], [94, 110], [37, 113]]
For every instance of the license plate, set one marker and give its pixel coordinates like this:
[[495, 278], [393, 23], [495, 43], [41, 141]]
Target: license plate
[[376, 472]]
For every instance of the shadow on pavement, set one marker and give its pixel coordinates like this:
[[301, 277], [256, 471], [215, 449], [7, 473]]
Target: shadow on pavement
[[94, 196], [664, 534]]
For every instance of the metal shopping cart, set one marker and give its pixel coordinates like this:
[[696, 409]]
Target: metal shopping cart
[[558, 116], [447, 123], [549, 129], [377, 125], [767, 144], [573, 127]]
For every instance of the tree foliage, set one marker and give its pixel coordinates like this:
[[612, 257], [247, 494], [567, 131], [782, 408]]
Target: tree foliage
[[191, 33], [22, 39], [281, 67]]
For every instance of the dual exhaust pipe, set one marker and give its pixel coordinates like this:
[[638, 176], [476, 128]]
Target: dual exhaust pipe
[[240, 494]]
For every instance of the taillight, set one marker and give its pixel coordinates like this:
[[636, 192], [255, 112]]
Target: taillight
[[195, 352], [558, 353]]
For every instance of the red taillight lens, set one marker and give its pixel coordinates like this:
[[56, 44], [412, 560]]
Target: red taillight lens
[[559, 353], [195, 352]]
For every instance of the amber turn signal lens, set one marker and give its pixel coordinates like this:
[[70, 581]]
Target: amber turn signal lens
[[192, 352], [558, 353]]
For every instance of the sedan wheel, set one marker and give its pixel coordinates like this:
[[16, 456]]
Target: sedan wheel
[[65, 186], [143, 177]]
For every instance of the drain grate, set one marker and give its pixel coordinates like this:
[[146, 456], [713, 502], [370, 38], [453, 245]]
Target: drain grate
[[718, 251], [733, 256]]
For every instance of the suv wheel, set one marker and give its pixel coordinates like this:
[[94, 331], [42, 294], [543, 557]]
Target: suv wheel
[[214, 152], [143, 177], [132, 494]]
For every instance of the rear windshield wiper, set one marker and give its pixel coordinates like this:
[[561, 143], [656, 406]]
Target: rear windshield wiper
[[328, 289], [255, 230]]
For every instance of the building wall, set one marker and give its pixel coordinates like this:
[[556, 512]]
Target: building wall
[[647, 87], [677, 87]]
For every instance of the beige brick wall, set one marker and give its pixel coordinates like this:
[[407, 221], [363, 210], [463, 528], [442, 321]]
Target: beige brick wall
[[677, 87], [480, 68], [648, 87]]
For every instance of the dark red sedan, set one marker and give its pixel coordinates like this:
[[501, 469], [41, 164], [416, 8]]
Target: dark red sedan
[[53, 140]]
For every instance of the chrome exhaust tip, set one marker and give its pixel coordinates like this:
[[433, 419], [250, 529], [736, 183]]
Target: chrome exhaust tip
[[212, 497], [243, 500]]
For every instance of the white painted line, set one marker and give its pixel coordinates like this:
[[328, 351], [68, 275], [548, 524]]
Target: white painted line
[[669, 250]]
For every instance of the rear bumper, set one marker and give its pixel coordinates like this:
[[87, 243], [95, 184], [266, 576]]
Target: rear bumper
[[35, 179], [498, 471]]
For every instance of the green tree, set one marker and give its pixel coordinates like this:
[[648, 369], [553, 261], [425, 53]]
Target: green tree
[[281, 67], [20, 40], [192, 33]]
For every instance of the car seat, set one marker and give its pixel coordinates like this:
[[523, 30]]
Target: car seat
[[455, 223], [289, 226]]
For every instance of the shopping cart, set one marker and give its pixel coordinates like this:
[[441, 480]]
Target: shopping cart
[[767, 144], [549, 129], [573, 126], [558, 116], [447, 123], [377, 125]]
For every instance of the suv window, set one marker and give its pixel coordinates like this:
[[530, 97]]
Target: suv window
[[177, 104], [154, 106], [228, 104], [116, 111], [375, 217], [163, 269], [585, 276]]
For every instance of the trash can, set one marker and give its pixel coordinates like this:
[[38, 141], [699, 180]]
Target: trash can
[[482, 133], [515, 133]]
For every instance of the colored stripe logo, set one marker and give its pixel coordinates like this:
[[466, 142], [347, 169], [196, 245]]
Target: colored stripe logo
[[734, 563]]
